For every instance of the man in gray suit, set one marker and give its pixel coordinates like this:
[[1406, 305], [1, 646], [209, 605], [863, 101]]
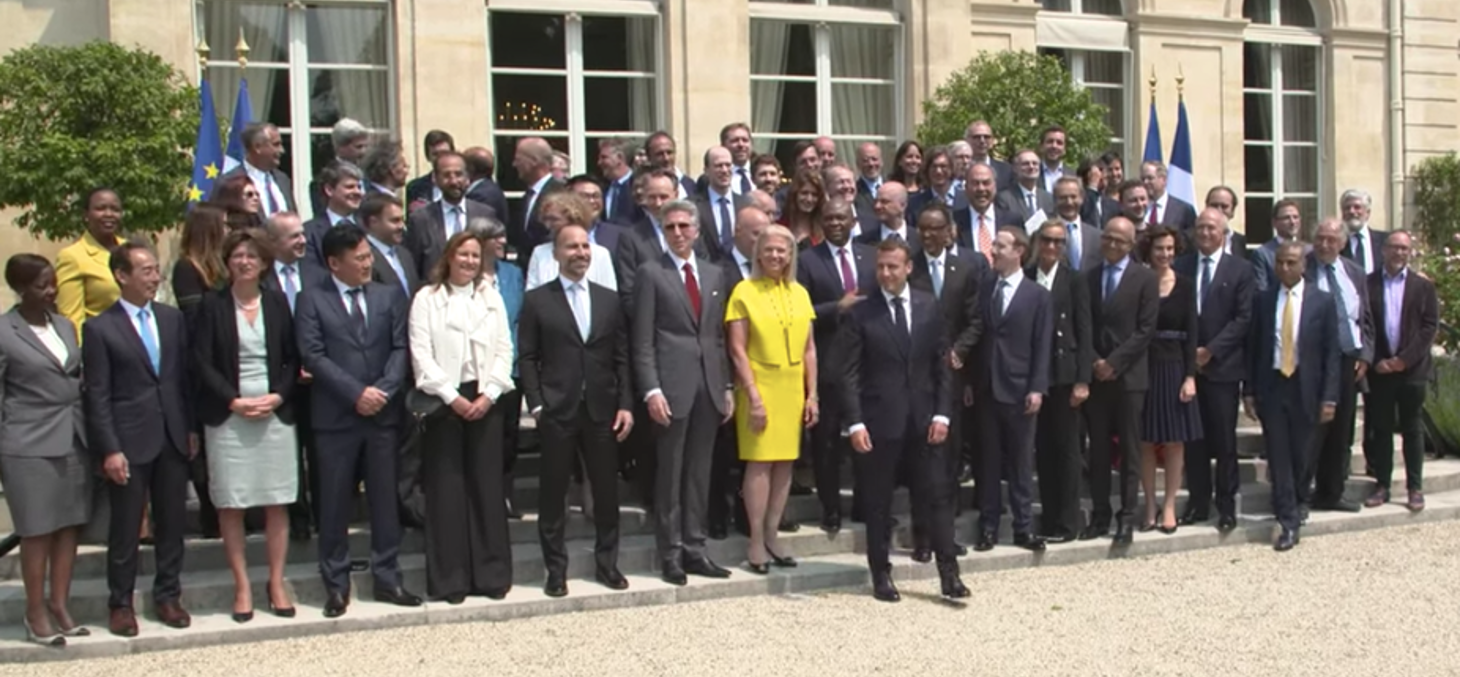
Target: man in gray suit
[[432, 225], [682, 369], [1027, 195], [262, 147], [1082, 248]]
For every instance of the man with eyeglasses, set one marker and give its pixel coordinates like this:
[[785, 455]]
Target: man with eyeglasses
[[980, 136], [1082, 250]]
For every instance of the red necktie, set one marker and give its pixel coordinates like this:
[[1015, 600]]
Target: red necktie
[[849, 278], [692, 287], [1153, 220]]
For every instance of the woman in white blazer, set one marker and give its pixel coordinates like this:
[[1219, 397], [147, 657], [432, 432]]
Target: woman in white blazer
[[462, 352]]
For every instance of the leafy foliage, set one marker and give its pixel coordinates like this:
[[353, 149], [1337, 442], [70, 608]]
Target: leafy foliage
[[1018, 94], [73, 118], [1437, 221]]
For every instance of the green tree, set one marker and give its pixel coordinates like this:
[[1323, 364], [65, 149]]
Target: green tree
[[1437, 221], [1018, 94], [73, 118]]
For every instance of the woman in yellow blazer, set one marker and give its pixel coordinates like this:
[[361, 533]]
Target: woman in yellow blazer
[[769, 320], [84, 282]]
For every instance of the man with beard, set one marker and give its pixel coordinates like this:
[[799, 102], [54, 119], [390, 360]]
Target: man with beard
[[431, 226]]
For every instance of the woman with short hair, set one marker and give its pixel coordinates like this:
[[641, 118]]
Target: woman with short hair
[[84, 283]]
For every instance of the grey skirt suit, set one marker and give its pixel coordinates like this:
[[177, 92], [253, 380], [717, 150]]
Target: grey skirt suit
[[43, 463]]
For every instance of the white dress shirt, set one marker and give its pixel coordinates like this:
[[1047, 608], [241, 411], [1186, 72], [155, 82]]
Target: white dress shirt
[[887, 232], [1363, 233], [536, 192], [906, 296], [1277, 333], [392, 257], [265, 184], [741, 262], [714, 203], [457, 333], [1007, 287], [1201, 258], [1158, 206], [1345, 291], [542, 267], [1044, 279]]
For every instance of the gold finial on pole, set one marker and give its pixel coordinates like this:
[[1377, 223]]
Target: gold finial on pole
[[203, 50], [1180, 81], [1152, 81], [241, 49]]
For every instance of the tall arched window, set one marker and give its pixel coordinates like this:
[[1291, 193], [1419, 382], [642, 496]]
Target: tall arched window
[[1282, 86], [1092, 39]]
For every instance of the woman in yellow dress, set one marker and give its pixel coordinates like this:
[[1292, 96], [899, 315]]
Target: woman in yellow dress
[[769, 329], [84, 282]]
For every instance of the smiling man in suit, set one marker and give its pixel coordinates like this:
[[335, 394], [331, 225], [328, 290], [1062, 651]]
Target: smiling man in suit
[[384, 221], [891, 209], [1082, 248], [433, 224], [719, 204], [682, 370], [980, 137], [1363, 244], [841, 183], [1224, 288], [341, 183], [352, 339], [1224, 200], [1027, 195], [1292, 379], [1287, 222], [263, 147], [979, 223]]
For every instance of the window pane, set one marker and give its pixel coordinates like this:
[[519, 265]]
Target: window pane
[[1297, 13], [358, 35], [268, 93], [618, 104], [1257, 117], [1257, 215], [869, 4], [286, 161], [1106, 7], [1300, 68], [863, 52], [1300, 169], [1256, 65], [862, 109], [527, 40], [614, 43], [1061, 54], [1300, 117], [1057, 5], [1114, 102], [506, 150], [1257, 11], [362, 95], [1105, 67], [265, 28], [778, 48], [1308, 208], [537, 102], [784, 107], [1258, 168]]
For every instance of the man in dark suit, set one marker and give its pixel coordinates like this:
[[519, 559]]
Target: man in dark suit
[[835, 274], [341, 185], [1363, 244], [980, 137], [433, 224], [734, 137], [1292, 381], [352, 339], [1286, 224], [1057, 436], [534, 164], [718, 205], [660, 150], [263, 147], [1406, 314], [1345, 281], [1011, 379], [1165, 209], [422, 190], [480, 186], [1224, 287], [896, 399], [384, 224], [841, 183], [602, 233], [681, 367], [644, 241], [1052, 165], [1124, 299], [980, 221], [869, 169], [1135, 204], [891, 211], [1224, 200], [1027, 195], [139, 421], [573, 343], [1082, 244], [614, 164]]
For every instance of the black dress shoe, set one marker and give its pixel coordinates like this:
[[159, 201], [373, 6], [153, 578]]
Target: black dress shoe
[[454, 600], [788, 527], [1191, 517], [717, 532], [953, 588], [922, 555], [960, 550], [1285, 541], [965, 473], [799, 489], [611, 579], [1124, 535], [335, 605], [831, 523], [986, 541], [1029, 542], [497, 594], [556, 586], [761, 569], [1303, 515], [781, 562], [1094, 531], [673, 574], [1060, 536], [1340, 505], [1226, 523], [280, 611], [398, 596], [705, 567], [883, 589]]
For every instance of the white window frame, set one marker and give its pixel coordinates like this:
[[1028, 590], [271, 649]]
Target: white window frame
[[576, 71], [821, 16], [1275, 36], [301, 152], [1077, 59], [1078, 7]]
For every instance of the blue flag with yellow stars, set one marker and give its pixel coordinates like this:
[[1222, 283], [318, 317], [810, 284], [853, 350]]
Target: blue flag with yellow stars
[[207, 150]]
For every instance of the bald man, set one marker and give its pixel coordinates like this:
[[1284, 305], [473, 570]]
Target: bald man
[[534, 164], [719, 204]]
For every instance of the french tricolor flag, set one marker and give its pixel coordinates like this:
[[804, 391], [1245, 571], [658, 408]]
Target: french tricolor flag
[[1179, 182]]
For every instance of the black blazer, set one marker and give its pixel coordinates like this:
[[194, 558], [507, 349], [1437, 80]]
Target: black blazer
[[314, 232], [606, 235], [892, 392], [624, 210], [342, 362], [1073, 355], [1374, 250], [527, 230], [310, 274], [1318, 356], [1097, 207], [188, 291], [866, 215], [1122, 326], [1360, 281], [959, 303], [1179, 215], [1226, 315], [920, 199], [637, 245], [559, 370], [1013, 357], [818, 270], [487, 192], [1011, 200], [871, 237], [965, 221], [215, 355], [1418, 319], [380, 270], [425, 238], [417, 189], [125, 400], [709, 234]]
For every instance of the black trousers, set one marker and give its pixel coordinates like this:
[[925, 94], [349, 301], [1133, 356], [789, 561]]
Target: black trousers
[[198, 475], [1288, 431], [1394, 405], [1113, 412], [828, 448], [468, 546], [564, 443], [303, 512], [876, 478], [1332, 452], [682, 478], [725, 469], [371, 447], [165, 480], [1217, 403], [511, 406], [1057, 459], [1008, 454]]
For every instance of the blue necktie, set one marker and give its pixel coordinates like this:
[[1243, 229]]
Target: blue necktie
[[149, 342], [357, 314], [727, 225], [291, 289], [1346, 333], [745, 186], [1110, 271], [1206, 282], [269, 189], [1072, 246], [935, 268]]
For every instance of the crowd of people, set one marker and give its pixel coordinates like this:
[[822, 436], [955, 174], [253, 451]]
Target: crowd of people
[[957, 317]]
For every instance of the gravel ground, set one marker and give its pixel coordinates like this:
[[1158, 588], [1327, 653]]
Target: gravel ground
[[1374, 602]]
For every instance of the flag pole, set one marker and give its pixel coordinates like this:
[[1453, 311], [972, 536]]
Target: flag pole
[[241, 49], [203, 51], [1180, 83]]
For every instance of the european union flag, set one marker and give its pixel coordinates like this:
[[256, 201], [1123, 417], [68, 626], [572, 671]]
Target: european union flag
[[242, 115], [207, 150]]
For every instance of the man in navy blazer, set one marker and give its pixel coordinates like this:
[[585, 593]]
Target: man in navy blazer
[[1224, 288], [1165, 209], [1292, 381], [896, 401], [1010, 379], [352, 339]]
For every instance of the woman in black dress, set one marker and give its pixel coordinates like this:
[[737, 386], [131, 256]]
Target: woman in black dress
[[1171, 418]]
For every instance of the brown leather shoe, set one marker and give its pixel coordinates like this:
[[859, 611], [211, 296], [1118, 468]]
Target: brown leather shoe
[[123, 622], [1378, 498], [173, 615], [1416, 501]]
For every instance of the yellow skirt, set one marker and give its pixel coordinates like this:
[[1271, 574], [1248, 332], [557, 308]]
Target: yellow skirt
[[783, 390]]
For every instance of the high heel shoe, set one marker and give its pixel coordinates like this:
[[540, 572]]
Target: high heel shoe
[[281, 611], [1147, 527], [242, 616], [57, 640], [1166, 530], [782, 562], [73, 631], [758, 569]]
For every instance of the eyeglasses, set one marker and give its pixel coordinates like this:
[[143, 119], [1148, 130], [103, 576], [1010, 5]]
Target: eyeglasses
[[1056, 241]]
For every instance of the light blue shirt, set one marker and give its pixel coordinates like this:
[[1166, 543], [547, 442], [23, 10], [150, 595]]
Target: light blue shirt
[[391, 254], [1114, 283], [137, 323], [1350, 296], [1394, 307]]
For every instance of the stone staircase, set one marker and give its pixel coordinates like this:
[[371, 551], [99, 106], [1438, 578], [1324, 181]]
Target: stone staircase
[[825, 562]]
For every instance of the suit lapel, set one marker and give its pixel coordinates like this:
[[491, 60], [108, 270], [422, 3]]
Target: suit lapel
[[710, 285], [565, 310], [335, 303], [679, 290], [134, 339], [27, 335]]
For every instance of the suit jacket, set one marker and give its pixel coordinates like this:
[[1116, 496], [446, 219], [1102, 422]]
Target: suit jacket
[[487, 192], [1123, 325], [965, 220], [310, 274], [1374, 250], [1318, 355], [1179, 215], [916, 202], [866, 215], [1072, 344], [871, 237], [1360, 282], [606, 234], [125, 399], [1090, 256], [1013, 359], [675, 351], [637, 246], [419, 189], [1225, 316], [1418, 320], [41, 412], [85, 286], [426, 231], [1003, 174], [1011, 199], [624, 210], [215, 355], [1097, 207], [1237, 245], [380, 270], [526, 230], [1264, 260], [963, 277], [818, 270], [344, 363], [892, 390], [709, 234], [280, 179], [560, 369], [314, 232]]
